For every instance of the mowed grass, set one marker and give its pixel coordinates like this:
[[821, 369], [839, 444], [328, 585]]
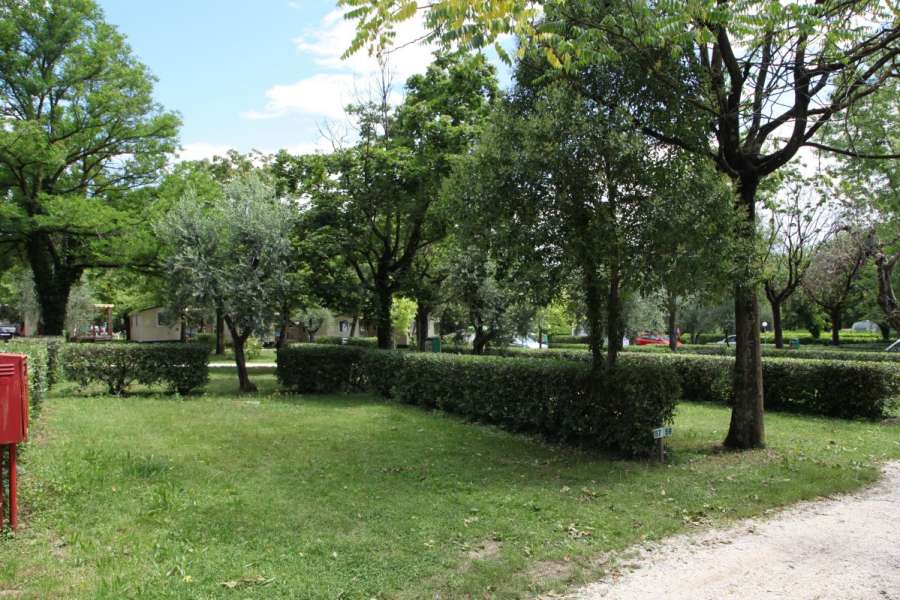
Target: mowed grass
[[288, 496]]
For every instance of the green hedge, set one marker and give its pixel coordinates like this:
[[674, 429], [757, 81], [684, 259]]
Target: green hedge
[[363, 342], [318, 368], [772, 352], [833, 388], [38, 370], [182, 367], [555, 398], [568, 339]]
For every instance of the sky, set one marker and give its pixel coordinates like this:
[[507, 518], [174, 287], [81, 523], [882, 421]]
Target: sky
[[261, 75]]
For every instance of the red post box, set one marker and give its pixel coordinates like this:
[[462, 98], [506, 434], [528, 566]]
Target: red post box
[[13, 420]]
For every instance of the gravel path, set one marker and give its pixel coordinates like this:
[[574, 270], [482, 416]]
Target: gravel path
[[847, 548]]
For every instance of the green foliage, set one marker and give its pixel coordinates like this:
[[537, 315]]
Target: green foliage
[[364, 342], [403, 311], [558, 399], [82, 137], [318, 368], [252, 348], [39, 369], [832, 388], [181, 367]]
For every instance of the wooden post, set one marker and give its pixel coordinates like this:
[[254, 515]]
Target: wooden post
[[661, 448]]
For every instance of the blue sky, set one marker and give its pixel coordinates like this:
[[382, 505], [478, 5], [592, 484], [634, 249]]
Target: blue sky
[[264, 74]]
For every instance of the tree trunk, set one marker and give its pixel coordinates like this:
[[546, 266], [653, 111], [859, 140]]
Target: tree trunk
[[746, 429], [52, 284], [593, 300], [220, 332], [672, 314], [613, 320], [422, 326], [835, 327], [240, 359], [480, 340], [182, 322], [383, 327], [887, 299], [353, 326], [776, 323]]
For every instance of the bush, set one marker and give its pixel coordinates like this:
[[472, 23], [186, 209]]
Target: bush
[[557, 399], [361, 342], [38, 369], [568, 339], [833, 388], [318, 368], [182, 367], [844, 389], [252, 348]]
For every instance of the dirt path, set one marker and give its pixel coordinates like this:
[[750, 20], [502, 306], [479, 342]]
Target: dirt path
[[847, 548]]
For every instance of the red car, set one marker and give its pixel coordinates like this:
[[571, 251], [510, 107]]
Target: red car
[[653, 340]]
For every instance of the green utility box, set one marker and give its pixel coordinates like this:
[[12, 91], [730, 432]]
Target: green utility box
[[795, 344], [436, 345]]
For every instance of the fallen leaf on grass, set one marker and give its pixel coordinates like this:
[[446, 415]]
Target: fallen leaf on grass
[[246, 582]]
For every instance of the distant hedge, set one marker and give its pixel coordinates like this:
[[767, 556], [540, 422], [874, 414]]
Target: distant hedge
[[318, 368], [832, 388], [183, 367], [555, 398], [38, 369], [772, 352], [364, 342], [568, 339]]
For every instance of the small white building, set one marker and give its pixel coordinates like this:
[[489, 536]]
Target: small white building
[[149, 325]]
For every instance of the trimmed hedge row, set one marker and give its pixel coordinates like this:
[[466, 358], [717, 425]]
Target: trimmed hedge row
[[770, 352], [38, 370], [318, 368], [568, 339], [831, 388], [364, 342], [183, 367], [557, 399]]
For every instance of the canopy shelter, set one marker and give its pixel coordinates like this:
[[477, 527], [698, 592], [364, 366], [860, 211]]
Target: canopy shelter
[[95, 332]]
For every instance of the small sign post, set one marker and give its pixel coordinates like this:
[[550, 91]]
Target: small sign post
[[660, 434]]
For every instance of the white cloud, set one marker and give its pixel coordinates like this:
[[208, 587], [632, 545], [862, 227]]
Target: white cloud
[[324, 94], [342, 82], [200, 150]]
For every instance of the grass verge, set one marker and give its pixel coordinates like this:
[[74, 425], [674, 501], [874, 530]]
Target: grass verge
[[286, 496]]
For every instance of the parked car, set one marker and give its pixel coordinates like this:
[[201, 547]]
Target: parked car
[[8, 331], [730, 340], [652, 339]]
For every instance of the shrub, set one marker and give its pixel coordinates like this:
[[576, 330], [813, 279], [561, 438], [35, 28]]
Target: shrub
[[182, 367], [318, 368], [568, 339], [844, 389], [362, 342], [38, 369], [555, 398], [252, 348]]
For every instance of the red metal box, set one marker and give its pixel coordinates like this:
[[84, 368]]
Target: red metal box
[[13, 398]]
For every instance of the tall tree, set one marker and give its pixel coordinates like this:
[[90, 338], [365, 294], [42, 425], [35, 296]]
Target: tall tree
[[382, 196], [234, 254], [80, 130], [832, 280], [768, 77], [794, 229]]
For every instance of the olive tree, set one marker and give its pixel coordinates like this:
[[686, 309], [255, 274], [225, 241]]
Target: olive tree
[[234, 254]]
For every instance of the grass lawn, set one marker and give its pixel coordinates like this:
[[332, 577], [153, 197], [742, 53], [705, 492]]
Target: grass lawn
[[286, 496]]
